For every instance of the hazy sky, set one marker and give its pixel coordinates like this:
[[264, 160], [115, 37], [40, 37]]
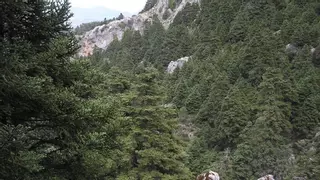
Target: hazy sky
[[131, 6]]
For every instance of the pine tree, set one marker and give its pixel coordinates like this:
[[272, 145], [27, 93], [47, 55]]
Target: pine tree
[[157, 153], [154, 35], [308, 160], [264, 148], [41, 116], [305, 117]]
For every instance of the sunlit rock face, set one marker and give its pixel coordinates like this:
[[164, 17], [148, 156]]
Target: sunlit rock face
[[267, 177], [102, 36], [210, 175], [173, 65]]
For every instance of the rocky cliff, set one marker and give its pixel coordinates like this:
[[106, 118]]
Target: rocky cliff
[[102, 36]]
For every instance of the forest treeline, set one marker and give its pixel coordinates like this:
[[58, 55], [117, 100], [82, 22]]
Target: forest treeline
[[253, 103]]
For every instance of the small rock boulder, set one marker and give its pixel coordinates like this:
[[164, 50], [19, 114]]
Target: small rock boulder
[[210, 175], [267, 177], [291, 50], [173, 65]]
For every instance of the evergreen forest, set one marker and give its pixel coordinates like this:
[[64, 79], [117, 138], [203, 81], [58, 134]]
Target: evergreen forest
[[246, 104]]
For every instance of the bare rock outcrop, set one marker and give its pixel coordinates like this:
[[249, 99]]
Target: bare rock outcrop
[[267, 177], [102, 36], [173, 65], [210, 175]]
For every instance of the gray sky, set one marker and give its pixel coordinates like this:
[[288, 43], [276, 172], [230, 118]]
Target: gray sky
[[131, 6]]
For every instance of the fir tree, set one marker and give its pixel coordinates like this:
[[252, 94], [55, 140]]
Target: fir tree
[[157, 153]]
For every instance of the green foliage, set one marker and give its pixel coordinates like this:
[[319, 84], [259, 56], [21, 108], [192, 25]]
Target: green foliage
[[249, 99], [111, 116], [166, 15], [172, 4], [309, 158], [252, 105], [200, 158], [157, 152], [149, 4], [187, 15], [49, 105]]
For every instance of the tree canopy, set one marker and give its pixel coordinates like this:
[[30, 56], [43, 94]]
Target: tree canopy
[[246, 104]]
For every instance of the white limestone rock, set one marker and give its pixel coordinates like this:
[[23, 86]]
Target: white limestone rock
[[267, 177], [102, 36], [173, 65], [291, 50]]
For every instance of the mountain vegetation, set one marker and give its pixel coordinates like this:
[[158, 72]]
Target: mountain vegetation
[[248, 99]]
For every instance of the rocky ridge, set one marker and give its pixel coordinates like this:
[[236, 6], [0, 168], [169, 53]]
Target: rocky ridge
[[101, 36]]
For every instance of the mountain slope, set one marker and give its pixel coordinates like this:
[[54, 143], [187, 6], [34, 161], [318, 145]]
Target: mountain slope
[[244, 102], [102, 36], [251, 87]]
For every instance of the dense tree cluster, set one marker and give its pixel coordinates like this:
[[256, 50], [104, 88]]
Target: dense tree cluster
[[149, 5], [255, 107], [77, 119]]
